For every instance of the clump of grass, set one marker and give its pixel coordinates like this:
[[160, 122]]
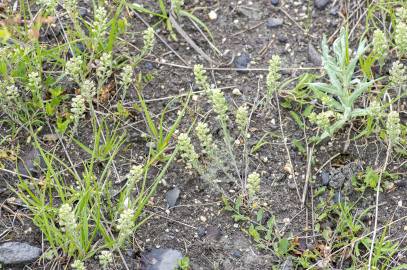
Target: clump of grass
[[220, 156], [85, 218]]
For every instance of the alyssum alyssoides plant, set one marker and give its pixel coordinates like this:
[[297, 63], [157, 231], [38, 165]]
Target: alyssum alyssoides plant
[[85, 218], [104, 69], [340, 95], [220, 156]]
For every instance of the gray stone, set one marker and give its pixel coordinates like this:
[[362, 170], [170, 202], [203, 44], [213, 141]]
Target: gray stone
[[201, 231], [338, 177], [160, 259], [325, 178], [321, 4], [313, 55], [282, 38], [274, 22], [275, 2], [242, 61], [172, 196], [15, 253]]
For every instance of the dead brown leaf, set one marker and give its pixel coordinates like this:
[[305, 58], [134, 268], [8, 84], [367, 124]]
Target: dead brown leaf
[[106, 92]]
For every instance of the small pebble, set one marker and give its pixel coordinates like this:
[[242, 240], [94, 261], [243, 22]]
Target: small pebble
[[201, 231], [148, 66], [172, 196], [275, 2], [282, 38], [212, 15], [313, 55], [325, 178], [321, 4], [236, 92], [242, 61], [274, 22], [203, 218], [236, 254]]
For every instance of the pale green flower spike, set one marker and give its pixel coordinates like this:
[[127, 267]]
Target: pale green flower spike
[[187, 150], [73, 68], [253, 184], [135, 174], [201, 78], [34, 81], [205, 138], [78, 107], [375, 108], [401, 14], [149, 39], [393, 127], [78, 265], [125, 224], [322, 119], [105, 258], [273, 75], [67, 219], [126, 76], [104, 69], [70, 5], [242, 118], [219, 104], [11, 94], [380, 45], [400, 38], [398, 75], [99, 23], [88, 90]]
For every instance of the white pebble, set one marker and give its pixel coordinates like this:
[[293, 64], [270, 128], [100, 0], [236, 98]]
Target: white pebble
[[236, 92], [212, 15]]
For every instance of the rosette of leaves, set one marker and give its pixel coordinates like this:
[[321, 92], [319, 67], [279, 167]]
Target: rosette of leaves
[[343, 89]]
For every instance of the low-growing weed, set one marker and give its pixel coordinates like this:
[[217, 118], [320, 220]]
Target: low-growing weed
[[76, 208]]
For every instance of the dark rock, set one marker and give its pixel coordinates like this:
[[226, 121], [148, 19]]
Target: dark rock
[[236, 254], [31, 164], [148, 66], [313, 55], [275, 2], [201, 231], [15, 253], [282, 38], [274, 22], [83, 12], [160, 259], [321, 4], [338, 177], [242, 61], [172, 196], [334, 11], [325, 178], [81, 47]]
